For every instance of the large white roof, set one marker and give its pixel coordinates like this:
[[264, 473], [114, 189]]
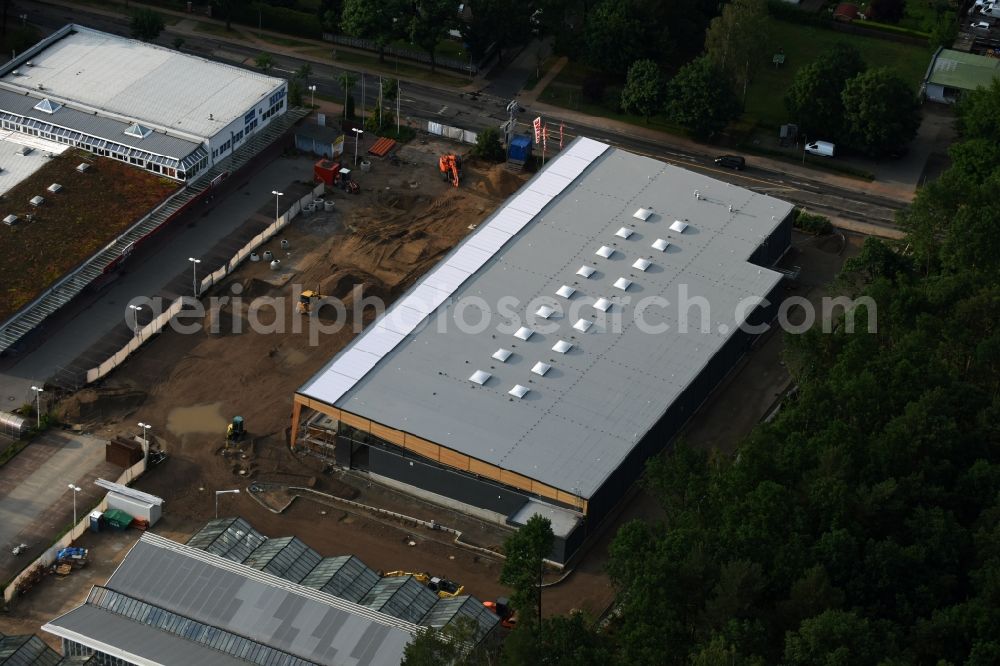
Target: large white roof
[[142, 82]]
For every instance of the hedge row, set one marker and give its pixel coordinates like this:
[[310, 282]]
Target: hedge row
[[812, 223]]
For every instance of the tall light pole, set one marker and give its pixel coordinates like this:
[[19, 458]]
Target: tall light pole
[[312, 95], [145, 445], [235, 491], [135, 319], [194, 274], [277, 197], [357, 133], [38, 405], [75, 490]]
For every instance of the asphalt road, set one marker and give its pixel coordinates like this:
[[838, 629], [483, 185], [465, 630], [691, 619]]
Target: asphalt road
[[475, 111]]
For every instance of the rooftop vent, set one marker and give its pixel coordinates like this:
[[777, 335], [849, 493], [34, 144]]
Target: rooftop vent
[[82, 167], [24, 150], [642, 214], [16, 72], [624, 232], [541, 368], [41, 87], [565, 291], [36, 201], [480, 377], [623, 283], [603, 304], [605, 252], [10, 220], [660, 245], [523, 333], [54, 187], [544, 312], [519, 391], [47, 105], [583, 325], [29, 64], [641, 264], [678, 226], [562, 347], [502, 354], [585, 271], [138, 131]]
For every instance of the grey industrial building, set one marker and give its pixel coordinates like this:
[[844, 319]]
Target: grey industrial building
[[574, 365], [233, 596], [156, 108]]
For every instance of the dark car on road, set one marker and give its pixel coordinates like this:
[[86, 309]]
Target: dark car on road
[[731, 162]]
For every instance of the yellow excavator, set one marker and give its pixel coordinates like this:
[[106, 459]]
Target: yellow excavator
[[442, 586], [450, 167], [305, 304]]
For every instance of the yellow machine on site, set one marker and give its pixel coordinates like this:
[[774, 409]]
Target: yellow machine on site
[[442, 586], [304, 306]]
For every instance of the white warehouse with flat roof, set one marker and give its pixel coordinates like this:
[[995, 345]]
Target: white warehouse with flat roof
[[555, 409], [159, 109]]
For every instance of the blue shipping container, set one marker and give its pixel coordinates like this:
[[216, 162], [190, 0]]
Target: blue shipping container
[[520, 148]]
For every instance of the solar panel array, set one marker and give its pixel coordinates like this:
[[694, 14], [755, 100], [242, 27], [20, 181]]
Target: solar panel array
[[404, 317]]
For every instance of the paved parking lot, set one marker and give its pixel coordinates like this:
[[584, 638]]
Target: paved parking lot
[[36, 505]]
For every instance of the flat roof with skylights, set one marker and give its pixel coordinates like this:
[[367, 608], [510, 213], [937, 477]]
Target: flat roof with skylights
[[141, 82], [564, 396]]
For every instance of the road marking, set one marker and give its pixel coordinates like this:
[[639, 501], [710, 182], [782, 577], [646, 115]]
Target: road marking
[[443, 109]]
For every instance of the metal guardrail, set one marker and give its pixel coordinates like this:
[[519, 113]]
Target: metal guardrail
[[71, 284]]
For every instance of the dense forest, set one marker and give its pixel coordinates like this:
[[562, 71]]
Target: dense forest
[[862, 525]]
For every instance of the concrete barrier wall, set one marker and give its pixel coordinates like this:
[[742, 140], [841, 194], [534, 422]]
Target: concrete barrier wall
[[49, 556], [210, 280], [456, 133]]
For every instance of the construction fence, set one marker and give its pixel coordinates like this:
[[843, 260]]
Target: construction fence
[[160, 321], [449, 132], [75, 532]]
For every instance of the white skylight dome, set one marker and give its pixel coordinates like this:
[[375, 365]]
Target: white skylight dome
[[585, 271], [519, 391], [642, 214], [544, 312], [583, 325], [502, 354], [624, 232], [138, 131], [678, 226], [562, 347], [523, 333], [660, 245], [641, 264], [480, 377], [48, 106], [602, 304], [541, 368], [605, 251], [565, 291], [623, 283]]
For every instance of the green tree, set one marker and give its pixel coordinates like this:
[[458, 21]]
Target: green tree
[[347, 81], [377, 21], [881, 111], [700, 100], [814, 100], [643, 92], [452, 645], [225, 9], [146, 24], [887, 11], [559, 641], [615, 35], [738, 41], [264, 62], [525, 551], [943, 31], [833, 638], [488, 146], [430, 23], [504, 23], [390, 88], [178, 43], [974, 122]]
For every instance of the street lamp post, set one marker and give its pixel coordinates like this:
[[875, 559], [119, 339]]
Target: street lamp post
[[235, 491], [277, 197], [357, 133], [38, 405], [135, 319], [145, 446], [194, 274], [75, 490], [312, 95]]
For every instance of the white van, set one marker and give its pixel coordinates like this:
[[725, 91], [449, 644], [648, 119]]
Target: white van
[[993, 11], [821, 148]]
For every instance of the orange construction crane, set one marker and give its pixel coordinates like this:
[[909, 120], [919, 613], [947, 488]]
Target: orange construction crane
[[451, 168]]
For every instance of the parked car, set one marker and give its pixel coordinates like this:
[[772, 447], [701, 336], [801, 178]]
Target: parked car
[[731, 162], [980, 26], [821, 148]]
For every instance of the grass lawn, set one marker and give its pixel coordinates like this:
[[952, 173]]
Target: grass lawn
[[72, 224], [802, 45]]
